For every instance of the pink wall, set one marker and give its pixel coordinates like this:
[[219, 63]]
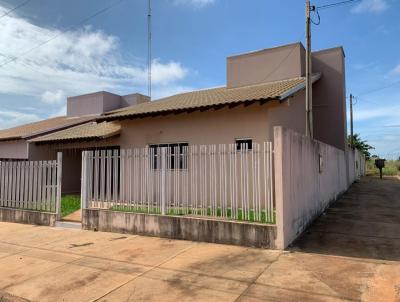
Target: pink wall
[[329, 93], [303, 190], [267, 65], [215, 127], [100, 102], [16, 149], [329, 97]]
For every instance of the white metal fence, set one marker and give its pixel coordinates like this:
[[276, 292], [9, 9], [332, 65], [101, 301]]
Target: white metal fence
[[31, 185], [228, 181]]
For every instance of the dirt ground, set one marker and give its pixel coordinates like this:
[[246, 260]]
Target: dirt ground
[[352, 253]]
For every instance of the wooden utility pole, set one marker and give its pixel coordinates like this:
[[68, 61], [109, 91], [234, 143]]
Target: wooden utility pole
[[351, 122], [309, 113]]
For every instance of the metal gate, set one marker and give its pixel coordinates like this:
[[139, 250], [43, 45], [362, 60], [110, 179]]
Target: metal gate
[[31, 185]]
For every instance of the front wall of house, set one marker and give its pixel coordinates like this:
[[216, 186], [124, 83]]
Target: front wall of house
[[17, 149], [72, 159], [215, 127], [210, 127]]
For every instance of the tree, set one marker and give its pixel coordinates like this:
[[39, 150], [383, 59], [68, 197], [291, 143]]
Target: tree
[[361, 145]]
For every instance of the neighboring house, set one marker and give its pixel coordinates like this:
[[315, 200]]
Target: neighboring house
[[264, 89]]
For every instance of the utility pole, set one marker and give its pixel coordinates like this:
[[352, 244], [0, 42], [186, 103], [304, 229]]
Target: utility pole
[[309, 113], [351, 121], [149, 49]]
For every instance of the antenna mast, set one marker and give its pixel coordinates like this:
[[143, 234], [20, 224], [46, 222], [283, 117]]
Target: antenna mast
[[149, 49]]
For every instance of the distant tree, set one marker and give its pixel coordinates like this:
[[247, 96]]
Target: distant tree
[[361, 145]]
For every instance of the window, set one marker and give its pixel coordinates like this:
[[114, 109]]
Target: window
[[244, 144], [176, 155]]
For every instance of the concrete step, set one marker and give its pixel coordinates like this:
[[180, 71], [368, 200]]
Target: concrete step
[[69, 225]]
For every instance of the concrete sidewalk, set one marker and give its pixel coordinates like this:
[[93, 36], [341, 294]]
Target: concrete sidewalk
[[333, 261]]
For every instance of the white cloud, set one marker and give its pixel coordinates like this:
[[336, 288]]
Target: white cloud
[[9, 118], [51, 98], [395, 71], [74, 63], [162, 73], [385, 113], [195, 3], [60, 112], [370, 6]]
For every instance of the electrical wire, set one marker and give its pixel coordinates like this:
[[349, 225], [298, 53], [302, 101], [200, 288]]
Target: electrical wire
[[282, 61], [15, 8], [336, 4], [99, 12], [379, 88], [319, 18]]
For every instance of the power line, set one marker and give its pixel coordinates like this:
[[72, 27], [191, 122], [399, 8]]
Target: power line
[[15, 8], [337, 4], [319, 18], [99, 12], [283, 60], [379, 88]]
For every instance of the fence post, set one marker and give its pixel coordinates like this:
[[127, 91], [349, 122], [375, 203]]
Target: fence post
[[84, 182], [163, 188], [59, 184]]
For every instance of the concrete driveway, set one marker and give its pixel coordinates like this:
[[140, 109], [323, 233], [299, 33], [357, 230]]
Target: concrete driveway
[[350, 254]]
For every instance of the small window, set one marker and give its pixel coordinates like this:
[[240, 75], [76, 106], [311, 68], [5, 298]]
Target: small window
[[176, 153], [244, 144]]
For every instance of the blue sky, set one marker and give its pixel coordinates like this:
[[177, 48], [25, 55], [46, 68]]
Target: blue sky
[[191, 40]]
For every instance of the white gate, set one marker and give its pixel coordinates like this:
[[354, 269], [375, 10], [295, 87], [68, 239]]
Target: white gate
[[228, 181], [31, 185]]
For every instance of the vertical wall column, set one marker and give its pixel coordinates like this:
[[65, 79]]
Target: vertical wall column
[[279, 187]]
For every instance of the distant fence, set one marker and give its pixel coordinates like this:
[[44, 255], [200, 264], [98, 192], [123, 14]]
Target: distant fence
[[31, 185], [226, 181]]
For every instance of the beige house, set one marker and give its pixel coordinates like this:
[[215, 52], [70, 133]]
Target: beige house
[[264, 89]]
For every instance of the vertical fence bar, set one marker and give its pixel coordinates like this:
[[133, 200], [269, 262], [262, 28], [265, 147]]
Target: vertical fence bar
[[58, 185], [1, 184], [163, 172], [84, 181], [271, 180]]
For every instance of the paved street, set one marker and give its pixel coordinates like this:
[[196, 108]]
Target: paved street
[[352, 253]]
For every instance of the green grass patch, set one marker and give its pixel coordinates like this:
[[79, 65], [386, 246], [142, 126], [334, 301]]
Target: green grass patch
[[70, 204], [250, 215]]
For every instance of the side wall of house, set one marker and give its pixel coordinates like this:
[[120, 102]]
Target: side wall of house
[[267, 65], [17, 149], [303, 187], [329, 97]]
